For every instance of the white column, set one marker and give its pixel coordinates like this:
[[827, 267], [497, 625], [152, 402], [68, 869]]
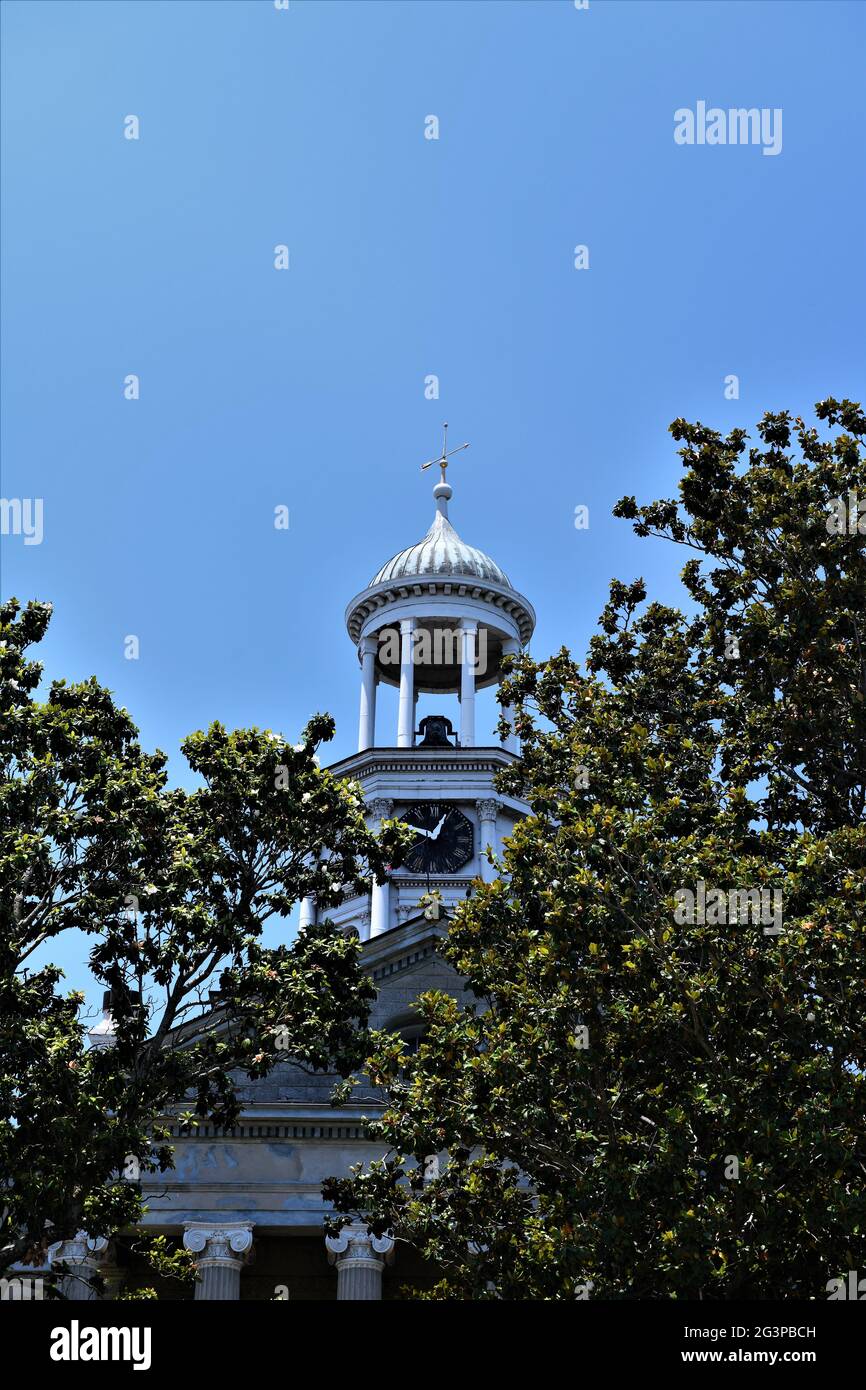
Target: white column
[[221, 1251], [487, 810], [367, 717], [83, 1257], [380, 897], [309, 907], [380, 908], [467, 683], [511, 647], [406, 714], [360, 1259]]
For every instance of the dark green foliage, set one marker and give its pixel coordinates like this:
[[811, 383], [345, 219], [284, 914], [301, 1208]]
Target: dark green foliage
[[172, 890], [637, 1105]]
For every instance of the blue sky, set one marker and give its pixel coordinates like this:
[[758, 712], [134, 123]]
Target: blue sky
[[409, 257]]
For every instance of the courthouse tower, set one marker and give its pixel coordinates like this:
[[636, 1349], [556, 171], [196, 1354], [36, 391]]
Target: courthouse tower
[[438, 619]]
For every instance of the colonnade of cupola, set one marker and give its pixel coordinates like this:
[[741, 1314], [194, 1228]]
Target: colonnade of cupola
[[439, 618], [420, 650]]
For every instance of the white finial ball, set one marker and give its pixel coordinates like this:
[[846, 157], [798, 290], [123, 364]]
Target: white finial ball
[[443, 490]]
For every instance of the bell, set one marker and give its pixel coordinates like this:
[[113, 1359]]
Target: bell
[[437, 730]]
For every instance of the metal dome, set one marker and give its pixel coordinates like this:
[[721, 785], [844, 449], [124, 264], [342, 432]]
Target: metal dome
[[441, 552]]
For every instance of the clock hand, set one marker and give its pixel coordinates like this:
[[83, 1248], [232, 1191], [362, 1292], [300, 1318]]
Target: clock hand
[[428, 835], [435, 834]]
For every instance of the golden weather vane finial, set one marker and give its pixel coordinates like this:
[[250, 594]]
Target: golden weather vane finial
[[446, 453]]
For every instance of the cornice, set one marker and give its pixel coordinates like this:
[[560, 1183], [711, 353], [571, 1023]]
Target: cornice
[[286, 1120], [423, 760], [257, 1131], [389, 593]]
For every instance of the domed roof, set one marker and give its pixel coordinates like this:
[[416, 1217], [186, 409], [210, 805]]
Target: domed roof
[[443, 560], [441, 552]]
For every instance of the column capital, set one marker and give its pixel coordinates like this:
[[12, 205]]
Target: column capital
[[368, 646], [469, 624], [487, 808], [380, 808], [511, 646], [81, 1249], [83, 1256], [219, 1244], [355, 1245], [407, 625]]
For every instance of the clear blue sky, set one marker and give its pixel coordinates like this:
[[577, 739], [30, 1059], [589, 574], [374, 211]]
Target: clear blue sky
[[409, 257]]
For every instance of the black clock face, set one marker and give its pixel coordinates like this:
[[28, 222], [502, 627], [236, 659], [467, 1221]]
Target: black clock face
[[444, 842]]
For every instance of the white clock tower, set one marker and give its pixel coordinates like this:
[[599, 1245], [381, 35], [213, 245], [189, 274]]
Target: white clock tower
[[438, 618]]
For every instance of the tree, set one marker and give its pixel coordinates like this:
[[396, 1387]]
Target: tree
[[172, 890], [657, 1087]]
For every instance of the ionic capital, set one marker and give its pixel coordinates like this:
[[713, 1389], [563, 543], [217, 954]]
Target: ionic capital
[[82, 1249], [215, 1244], [355, 1245]]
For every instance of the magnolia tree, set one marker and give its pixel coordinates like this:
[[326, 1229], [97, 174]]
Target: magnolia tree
[[656, 1088], [171, 891]]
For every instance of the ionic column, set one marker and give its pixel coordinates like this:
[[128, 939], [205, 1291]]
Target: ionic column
[[308, 911], [511, 647], [221, 1251], [84, 1256], [380, 896], [360, 1259], [467, 683], [486, 835], [367, 717], [406, 711]]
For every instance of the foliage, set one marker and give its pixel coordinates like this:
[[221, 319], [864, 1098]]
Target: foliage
[[644, 1101], [176, 1265], [172, 890]]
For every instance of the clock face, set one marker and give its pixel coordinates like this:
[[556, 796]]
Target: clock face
[[444, 842]]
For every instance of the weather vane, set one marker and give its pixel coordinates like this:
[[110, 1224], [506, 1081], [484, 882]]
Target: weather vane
[[446, 454]]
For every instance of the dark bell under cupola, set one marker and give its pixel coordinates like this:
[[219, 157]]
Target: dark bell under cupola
[[436, 731]]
